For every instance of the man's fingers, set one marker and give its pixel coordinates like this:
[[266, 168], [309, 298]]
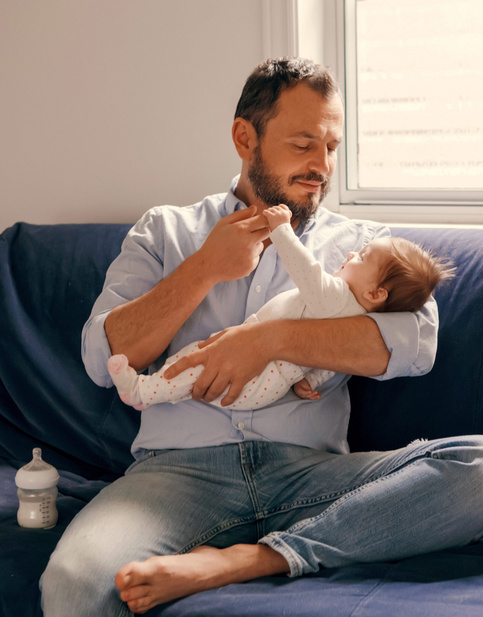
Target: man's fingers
[[232, 395], [261, 234], [201, 386], [181, 365], [253, 222], [257, 220], [209, 386], [211, 340], [257, 223], [215, 389], [240, 215]]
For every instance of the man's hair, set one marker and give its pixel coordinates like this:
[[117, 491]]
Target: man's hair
[[258, 100], [410, 276]]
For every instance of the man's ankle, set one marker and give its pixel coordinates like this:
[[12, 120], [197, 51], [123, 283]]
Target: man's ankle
[[256, 560]]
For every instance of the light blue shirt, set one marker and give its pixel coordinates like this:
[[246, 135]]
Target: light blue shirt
[[155, 247]]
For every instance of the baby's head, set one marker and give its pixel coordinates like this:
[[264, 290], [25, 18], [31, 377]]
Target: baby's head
[[393, 274]]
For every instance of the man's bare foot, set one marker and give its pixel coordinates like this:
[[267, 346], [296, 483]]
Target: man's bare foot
[[146, 584]]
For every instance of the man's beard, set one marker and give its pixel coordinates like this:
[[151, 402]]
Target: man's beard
[[269, 189]]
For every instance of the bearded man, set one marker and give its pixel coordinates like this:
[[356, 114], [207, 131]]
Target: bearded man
[[217, 495]]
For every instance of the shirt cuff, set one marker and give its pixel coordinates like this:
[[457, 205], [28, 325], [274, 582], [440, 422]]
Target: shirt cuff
[[95, 360], [400, 332]]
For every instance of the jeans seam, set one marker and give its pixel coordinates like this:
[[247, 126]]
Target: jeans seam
[[381, 478], [249, 482], [214, 531], [350, 490]]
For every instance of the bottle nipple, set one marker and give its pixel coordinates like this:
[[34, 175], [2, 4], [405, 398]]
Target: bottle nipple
[[37, 474], [36, 464]]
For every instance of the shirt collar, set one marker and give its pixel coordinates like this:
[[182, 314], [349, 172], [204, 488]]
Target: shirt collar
[[232, 203]]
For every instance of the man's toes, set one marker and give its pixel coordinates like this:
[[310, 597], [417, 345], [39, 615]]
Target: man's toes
[[135, 594], [141, 605], [128, 576], [138, 598]]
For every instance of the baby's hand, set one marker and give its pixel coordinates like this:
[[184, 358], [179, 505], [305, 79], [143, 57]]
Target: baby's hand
[[303, 389], [277, 215]]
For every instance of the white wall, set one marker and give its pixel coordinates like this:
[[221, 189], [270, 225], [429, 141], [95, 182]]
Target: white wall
[[109, 107]]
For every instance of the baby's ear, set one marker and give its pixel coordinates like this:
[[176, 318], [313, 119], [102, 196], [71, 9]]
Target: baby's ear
[[376, 296]]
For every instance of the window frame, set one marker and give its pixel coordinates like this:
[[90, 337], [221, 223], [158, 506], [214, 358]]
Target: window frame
[[388, 205], [293, 27]]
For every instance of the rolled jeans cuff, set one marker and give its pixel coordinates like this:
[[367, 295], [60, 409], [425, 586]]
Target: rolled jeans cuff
[[275, 542]]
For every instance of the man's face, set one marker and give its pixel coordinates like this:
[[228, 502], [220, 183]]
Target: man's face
[[297, 155]]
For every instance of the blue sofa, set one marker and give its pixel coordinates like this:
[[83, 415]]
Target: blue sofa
[[50, 276]]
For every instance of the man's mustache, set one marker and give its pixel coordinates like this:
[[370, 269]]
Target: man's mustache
[[313, 176]]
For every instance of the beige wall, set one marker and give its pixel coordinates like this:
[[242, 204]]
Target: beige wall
[[109, 107]]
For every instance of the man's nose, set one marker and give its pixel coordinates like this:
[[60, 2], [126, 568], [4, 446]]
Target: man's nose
[[320, 161]]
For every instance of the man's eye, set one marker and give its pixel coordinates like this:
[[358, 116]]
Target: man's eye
[[300, 147]]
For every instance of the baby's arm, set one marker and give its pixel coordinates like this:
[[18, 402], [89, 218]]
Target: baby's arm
[[324, 295]]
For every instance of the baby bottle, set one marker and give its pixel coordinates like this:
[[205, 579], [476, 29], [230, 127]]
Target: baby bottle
[[37, 492]]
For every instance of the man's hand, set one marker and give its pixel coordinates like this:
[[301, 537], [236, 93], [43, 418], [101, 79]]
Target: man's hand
[[277, 215], [233, 248], [231, 359], [304, 390]]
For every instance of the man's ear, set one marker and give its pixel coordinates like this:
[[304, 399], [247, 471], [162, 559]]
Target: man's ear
[[376, 296], [244, 137]]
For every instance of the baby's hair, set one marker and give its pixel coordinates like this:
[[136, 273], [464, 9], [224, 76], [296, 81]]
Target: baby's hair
[[410, 276]]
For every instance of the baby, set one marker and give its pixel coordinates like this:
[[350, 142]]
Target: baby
[[388, 274]]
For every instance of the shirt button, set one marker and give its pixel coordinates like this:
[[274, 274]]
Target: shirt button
[[258, 289], [240, 425]]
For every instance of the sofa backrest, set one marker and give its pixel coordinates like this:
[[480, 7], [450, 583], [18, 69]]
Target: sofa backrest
[[50, 276], [448, 401]]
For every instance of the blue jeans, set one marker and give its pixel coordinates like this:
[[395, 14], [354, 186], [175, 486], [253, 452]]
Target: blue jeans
[[315, 508]]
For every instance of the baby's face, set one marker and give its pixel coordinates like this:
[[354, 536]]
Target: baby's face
[[361, 270]]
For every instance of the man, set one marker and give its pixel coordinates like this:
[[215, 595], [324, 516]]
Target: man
[[217, 495]]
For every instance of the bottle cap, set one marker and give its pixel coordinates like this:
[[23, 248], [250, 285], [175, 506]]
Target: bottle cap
[[37, 474]]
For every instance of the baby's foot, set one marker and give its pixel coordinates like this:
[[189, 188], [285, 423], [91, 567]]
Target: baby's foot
[[116, 364], [128, 398], [125, 379]]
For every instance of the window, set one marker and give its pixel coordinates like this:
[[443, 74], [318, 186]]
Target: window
[[412, 72]]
